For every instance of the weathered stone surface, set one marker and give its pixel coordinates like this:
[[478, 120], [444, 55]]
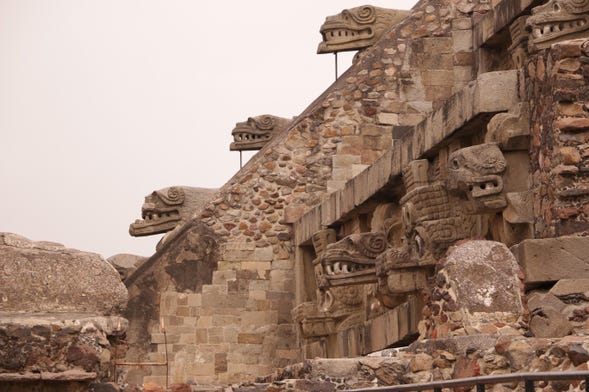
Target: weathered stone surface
[[565, 288], [58, 346], [496, 91], [483, 276], [126, 263], [553, 259], [40, 278], [538, 300], [549, 323]]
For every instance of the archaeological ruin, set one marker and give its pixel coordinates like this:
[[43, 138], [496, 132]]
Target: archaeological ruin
[[425, 219]]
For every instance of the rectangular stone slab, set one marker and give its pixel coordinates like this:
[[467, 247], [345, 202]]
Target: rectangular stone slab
[[551, 259]]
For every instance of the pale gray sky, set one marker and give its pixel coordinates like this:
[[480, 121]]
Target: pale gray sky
[[103, 101]]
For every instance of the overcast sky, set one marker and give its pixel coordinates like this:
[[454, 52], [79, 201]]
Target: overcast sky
[[104, 101]]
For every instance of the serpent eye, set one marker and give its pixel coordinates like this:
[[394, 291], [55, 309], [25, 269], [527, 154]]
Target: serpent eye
[[454, 164]]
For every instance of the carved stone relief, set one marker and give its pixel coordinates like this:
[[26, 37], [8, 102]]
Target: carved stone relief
[[476, 171], [357, 28], [519, 41], [167, 209], [557, 20], [256, 132]]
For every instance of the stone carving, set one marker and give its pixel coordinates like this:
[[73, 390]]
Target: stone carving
[[476, 172], [519, 41], [256, 132], [357, 28], [511, 130], [557, 20], [338, 306], [167, 208], [350, 260]]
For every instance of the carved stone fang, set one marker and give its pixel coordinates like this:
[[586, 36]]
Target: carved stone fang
[[552, 30], [154, 222], [486, 185], [341, 35], [247, 137]]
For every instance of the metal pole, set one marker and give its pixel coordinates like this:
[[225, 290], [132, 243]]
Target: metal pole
[[335, 53], [240, 161], [529, 385]]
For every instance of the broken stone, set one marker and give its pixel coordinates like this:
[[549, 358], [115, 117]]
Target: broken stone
[[550, 323]]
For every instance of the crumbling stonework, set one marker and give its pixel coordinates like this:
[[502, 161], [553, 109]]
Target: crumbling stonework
[[60, 323]]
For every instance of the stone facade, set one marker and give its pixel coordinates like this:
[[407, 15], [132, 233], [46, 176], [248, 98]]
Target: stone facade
[[435, 190], [451, 126]]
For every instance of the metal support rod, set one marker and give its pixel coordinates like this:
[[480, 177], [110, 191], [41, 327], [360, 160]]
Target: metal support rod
[[240, 161], [140, 364], [529, 385], [165, 351], [335, 53]]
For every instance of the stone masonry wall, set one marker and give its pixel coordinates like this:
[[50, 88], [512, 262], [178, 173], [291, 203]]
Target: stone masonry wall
[[558, 90], [239, 326]]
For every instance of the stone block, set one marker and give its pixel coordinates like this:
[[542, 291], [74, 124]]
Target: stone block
[[567, 287], [345, 160], [406, 281], [462, 40], [357, 169], [256, 319], [538, 300], [388, 118], [264, 254], [438, 45], [237, 255], [335, 185], [463, 73], [496, 91], [292, 213], [550, 323], [437, 78], [221, 277], [259, 266], [552, 259], [461, 24], [220, 363], [341, 174]]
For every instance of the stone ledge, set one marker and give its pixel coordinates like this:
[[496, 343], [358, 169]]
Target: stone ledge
[[492, 92]]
